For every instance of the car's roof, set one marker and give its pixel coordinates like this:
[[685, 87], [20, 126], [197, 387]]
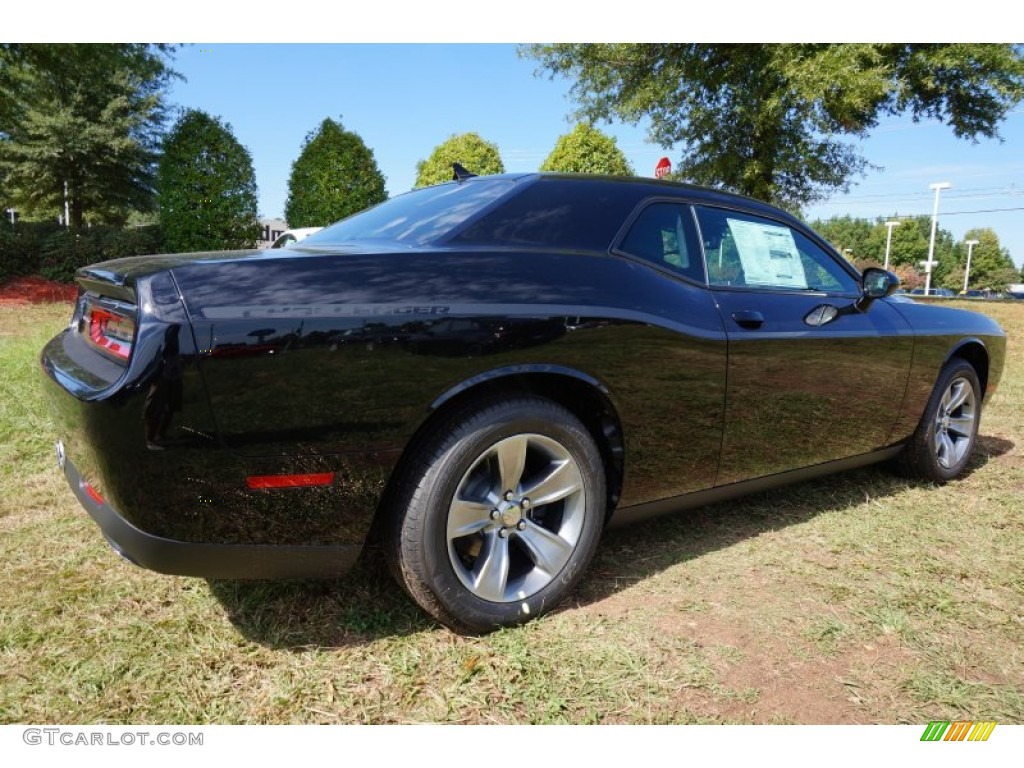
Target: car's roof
[[649, 187]]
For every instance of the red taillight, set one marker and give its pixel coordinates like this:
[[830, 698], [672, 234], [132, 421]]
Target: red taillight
[[109, 330]]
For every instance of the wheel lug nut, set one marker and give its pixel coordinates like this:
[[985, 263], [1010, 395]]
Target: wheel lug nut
[[495, 514], [503, 533], [526, 503], [509, 495], [521, 525]]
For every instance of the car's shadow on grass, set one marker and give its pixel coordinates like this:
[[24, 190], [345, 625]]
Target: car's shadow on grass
[[632, 554], [367, 605], [364, 605]]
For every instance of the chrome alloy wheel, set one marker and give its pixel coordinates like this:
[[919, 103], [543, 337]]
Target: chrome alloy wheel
[[955, 423], [516, 518]]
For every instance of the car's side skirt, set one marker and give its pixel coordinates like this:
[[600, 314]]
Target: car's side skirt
[[638, 512]]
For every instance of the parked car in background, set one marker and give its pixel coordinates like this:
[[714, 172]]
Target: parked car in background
[[290, 237], [943, 292], [482, 375]]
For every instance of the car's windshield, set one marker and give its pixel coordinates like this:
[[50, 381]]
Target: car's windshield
[[416, 217]]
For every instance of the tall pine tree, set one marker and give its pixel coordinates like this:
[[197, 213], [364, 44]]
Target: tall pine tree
[[81, 123], [207, 187], [334, 176]]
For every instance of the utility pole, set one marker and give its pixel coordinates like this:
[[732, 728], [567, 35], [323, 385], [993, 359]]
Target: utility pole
[[938, 187], [888, 239], [970, 248]]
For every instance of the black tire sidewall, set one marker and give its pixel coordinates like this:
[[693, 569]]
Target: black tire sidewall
[[955, 369], [466, 443]]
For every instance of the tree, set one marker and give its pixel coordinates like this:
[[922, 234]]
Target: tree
[[991, 265], [207, 187], [909, 245], [468, 149], [334, 177], [587, 150], [85, 119], [850, 236], [946, 248], [863, 242], [769, 121]]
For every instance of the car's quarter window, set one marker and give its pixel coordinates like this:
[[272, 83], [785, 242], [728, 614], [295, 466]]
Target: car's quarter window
[[664, 234], [572, 214], [746, 250]]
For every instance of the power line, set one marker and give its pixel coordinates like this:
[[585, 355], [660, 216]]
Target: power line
[[1005, 188], [983, 210], [943, 214]]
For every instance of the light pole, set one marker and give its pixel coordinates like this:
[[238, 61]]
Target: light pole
[[938, 187], [888, 239], [970, 247]]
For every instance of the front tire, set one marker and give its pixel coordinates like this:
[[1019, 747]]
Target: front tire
[[498, 514], [944, 441]]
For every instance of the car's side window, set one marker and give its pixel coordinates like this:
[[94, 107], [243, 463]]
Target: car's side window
[[746, 250], [664, 234]]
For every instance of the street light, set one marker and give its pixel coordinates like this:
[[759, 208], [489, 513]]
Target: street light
[[888, 239], [938, 187], [970, 247]]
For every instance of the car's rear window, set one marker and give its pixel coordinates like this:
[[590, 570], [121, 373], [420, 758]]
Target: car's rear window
[[416, 217]]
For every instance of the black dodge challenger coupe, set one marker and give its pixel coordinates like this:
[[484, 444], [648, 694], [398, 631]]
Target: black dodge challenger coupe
[[482, 375]]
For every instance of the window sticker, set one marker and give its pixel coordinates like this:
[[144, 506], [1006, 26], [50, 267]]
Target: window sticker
[[768, 254]]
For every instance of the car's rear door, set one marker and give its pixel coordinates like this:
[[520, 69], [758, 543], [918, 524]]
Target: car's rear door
[[811, 378]]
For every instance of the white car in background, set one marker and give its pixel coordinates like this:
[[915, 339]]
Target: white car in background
[[292, 236]]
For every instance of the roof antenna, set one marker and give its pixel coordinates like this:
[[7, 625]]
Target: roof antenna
[[461, 174]]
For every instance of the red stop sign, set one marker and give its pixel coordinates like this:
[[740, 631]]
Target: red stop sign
[[663, 168]]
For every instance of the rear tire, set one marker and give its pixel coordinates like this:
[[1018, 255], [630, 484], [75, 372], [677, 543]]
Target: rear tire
[[498, 514], [944, 441]]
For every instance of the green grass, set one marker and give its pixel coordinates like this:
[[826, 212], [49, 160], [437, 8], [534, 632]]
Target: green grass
[[855, 598]]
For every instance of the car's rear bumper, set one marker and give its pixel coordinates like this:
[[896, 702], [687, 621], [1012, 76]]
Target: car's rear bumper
[[216, 561]]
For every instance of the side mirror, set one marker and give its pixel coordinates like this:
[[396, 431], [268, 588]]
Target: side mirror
[[876, 284]]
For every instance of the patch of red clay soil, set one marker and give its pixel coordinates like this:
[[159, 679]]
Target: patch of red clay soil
[[776, 676], [32, 289]]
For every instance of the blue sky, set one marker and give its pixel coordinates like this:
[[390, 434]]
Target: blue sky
[[404, 99]]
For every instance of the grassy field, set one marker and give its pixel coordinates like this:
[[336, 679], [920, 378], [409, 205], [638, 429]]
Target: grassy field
[[857, 598]]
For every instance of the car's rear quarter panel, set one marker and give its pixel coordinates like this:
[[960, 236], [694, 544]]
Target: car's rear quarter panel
[[183, 484], [325, 355]]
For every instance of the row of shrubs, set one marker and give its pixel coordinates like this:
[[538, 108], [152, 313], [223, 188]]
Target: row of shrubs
[[55, 252]]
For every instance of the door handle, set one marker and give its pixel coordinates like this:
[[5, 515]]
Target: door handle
[[749, 319]]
